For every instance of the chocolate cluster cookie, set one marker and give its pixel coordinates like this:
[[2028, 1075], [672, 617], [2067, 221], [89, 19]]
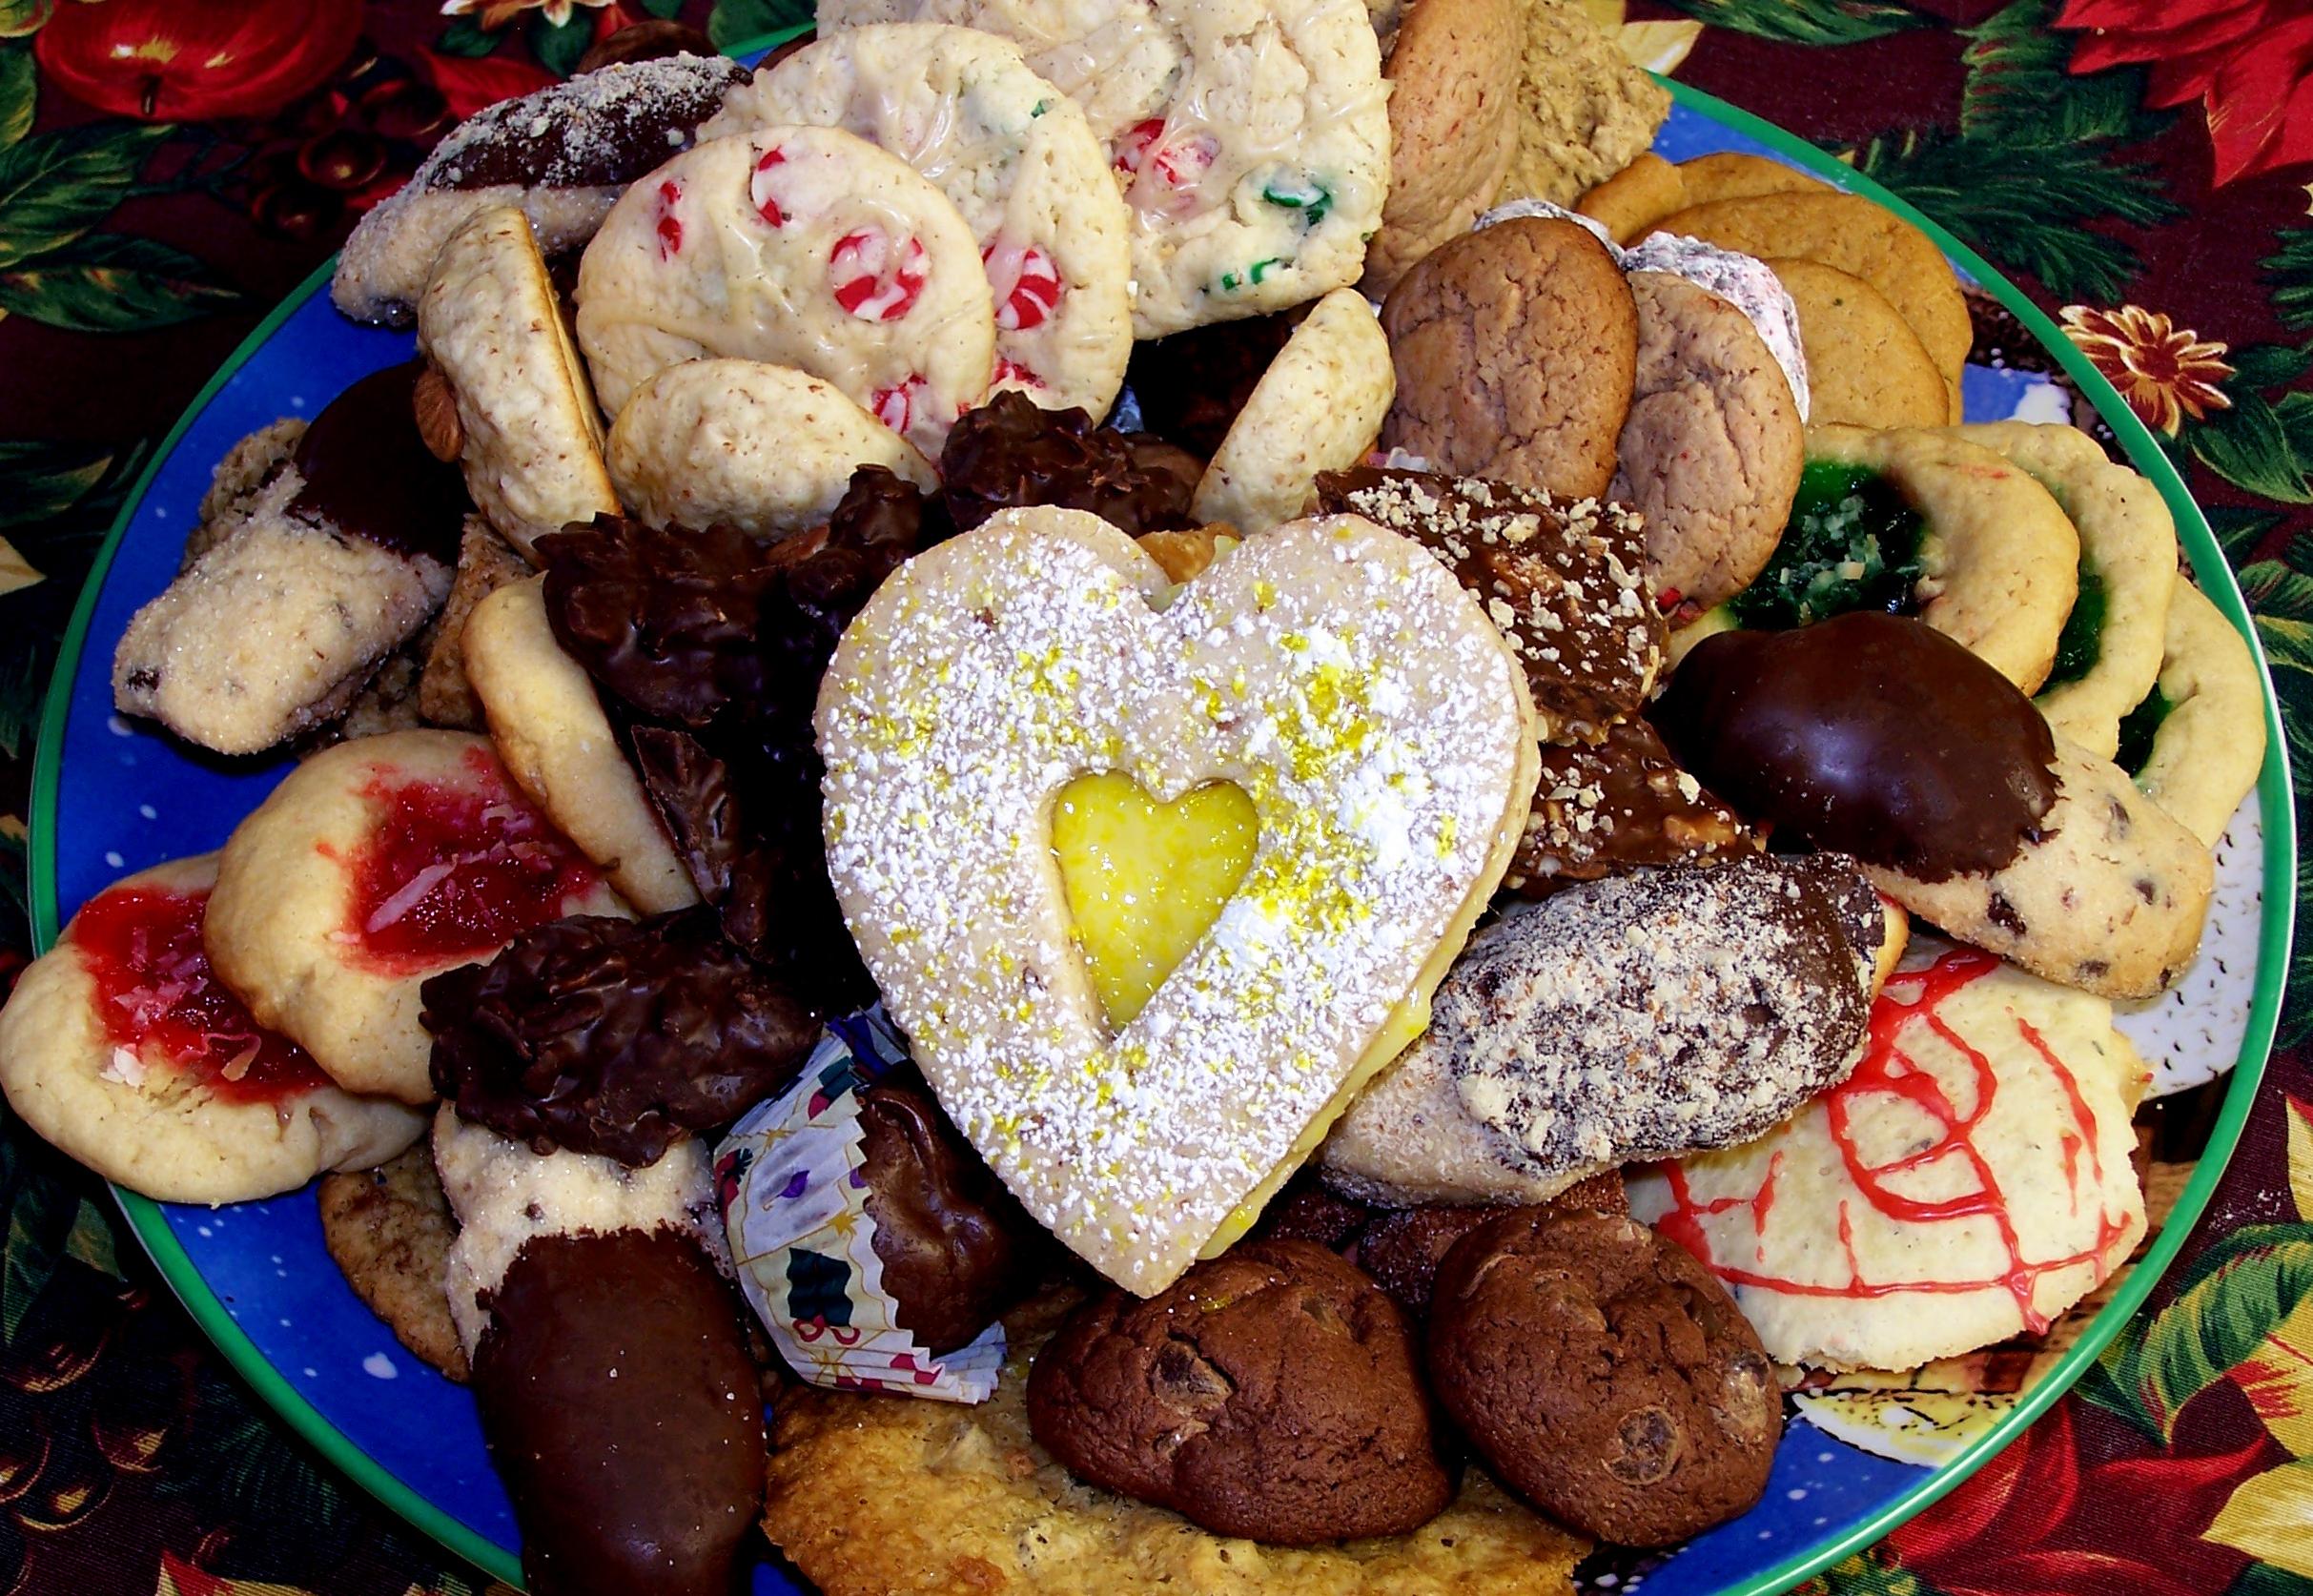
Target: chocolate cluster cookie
[[1604, 1374], [1271, 1393]]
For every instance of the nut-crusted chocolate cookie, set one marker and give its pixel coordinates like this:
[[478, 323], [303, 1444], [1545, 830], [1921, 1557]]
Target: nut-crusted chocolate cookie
[[1604, 1373], [1618, 806], [1271, 1393]]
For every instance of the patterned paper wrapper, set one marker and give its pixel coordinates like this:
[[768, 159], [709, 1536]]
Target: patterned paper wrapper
[[794, 1203]]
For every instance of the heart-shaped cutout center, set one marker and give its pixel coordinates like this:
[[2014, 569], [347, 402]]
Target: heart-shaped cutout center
[[1144, 879]]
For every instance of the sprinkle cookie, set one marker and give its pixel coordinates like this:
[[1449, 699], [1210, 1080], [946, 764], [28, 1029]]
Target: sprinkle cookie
[[800, 246], [121, 1046], [1020, 162], [1338, 675]]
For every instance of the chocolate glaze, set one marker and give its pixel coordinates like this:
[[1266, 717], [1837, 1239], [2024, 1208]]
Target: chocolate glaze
[[957, 1250], [620, 1406], [367, 471], [601, 129], [1010, 452], [1869, 735]]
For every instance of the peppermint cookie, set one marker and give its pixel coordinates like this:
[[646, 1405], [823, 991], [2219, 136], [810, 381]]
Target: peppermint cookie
[[376, 863], [562, 156], [529, 438], [1018, 159], [768, 449], [120, 1045], [806, 247], [1317, 407]]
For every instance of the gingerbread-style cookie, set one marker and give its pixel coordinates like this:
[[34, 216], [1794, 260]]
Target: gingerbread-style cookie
[[388, 1230], [2207, 720], [1317, 407], [1711, 450], [1865, 366], [1516, 350], [1453, 99], [120, 1045], [374, 864], [806, 247], [1273, 1393], [1019, 160], [1598, 1368], [530, 439]]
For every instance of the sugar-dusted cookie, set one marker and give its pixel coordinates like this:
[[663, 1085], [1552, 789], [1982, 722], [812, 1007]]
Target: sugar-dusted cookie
[[1453, 100], [1970, 1180], [529, 436], [1317, 407], [1585, 109], [323, 550], [559, 155], [768, 449], [388, 1230], [2109, 653], [1019, 160], [806, 247], [1712, 449], [1516, 350], [558, 747], [1332, 670], [1865, 366], [2204, 719], [374, 864], [120, 1045]]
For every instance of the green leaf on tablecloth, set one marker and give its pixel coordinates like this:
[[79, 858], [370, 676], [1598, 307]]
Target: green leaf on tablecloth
[[2283, 603], [2265, 1517], [2239, 530], [22, 18], [2263, 1579], [2019, 89], [1805, 22], [2290, 272], [558, 48], [664, 9], [2250, 446], [244, 1470], [1875, 1572], [18, 95], [468, 38], [41, 481], [2026, 207], [736, 20], [49, 1222], [2268, 365], [2227, 1302], [108, 282], [56, 186]]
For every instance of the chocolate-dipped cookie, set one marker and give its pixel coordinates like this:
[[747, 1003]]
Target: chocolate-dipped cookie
[[1604, 1374]]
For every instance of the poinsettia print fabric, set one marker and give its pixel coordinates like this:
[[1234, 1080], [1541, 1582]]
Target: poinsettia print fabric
[[170, 169]]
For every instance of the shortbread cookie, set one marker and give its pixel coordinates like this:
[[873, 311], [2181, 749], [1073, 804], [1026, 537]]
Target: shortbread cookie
[[1453, 97], [389, 1229], [304, 586], [1585, 109], [1317, 407], [1969, 1182], [1516, 351], [374, 864], [806, 247], [531, 441], [485, 563], [559, 155], [1651, 188], [1334, 672], [557, 744], [1018, 159], [2109, 653], [768, 449], [120, 1045], [1711, 450], [1633, 1018], [2209, 737], [1865, 366], [993, 1509], [238, 483]]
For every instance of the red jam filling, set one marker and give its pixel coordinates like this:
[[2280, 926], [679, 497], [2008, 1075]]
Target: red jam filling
[[453, 874], [157, 999], [1913, 998]]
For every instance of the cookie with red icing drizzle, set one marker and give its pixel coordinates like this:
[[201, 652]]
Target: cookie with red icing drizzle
[[804, 247], [1969, 1180]]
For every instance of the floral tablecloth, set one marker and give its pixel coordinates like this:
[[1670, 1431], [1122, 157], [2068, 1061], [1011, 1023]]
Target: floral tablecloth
[[169, 169]]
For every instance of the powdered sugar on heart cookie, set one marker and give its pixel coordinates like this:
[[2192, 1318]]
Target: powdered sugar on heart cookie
[[1332, 670]]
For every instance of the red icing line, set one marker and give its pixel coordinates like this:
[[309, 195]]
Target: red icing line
[[157, 998], [1887, 1069], [452, 873]]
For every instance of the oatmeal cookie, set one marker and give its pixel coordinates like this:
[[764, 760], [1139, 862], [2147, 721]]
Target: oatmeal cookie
[[389, 1231], [1317, 407]]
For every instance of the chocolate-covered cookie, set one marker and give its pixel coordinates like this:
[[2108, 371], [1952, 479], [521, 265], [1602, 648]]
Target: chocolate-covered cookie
[[1271, 1393], [1010, 452], [1617, 806], [1604, 1373]]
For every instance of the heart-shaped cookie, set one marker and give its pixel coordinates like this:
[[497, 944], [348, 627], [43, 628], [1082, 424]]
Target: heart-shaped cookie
[[1333, 671]]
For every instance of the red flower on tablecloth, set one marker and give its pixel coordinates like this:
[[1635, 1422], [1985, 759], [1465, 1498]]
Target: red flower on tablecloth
[[2164, 371], [2249, 61]]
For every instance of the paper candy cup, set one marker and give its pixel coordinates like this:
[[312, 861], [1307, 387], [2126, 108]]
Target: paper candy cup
[[795, 1207]]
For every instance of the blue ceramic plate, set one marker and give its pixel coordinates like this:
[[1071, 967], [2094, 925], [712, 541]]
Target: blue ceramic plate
[[110, 797]]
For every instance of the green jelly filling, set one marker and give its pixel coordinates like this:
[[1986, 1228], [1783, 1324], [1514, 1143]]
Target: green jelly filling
[[2081, 642], [1851, 543], [2137, 730]]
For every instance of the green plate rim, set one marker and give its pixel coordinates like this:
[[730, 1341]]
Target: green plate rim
[[146, 1220]]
